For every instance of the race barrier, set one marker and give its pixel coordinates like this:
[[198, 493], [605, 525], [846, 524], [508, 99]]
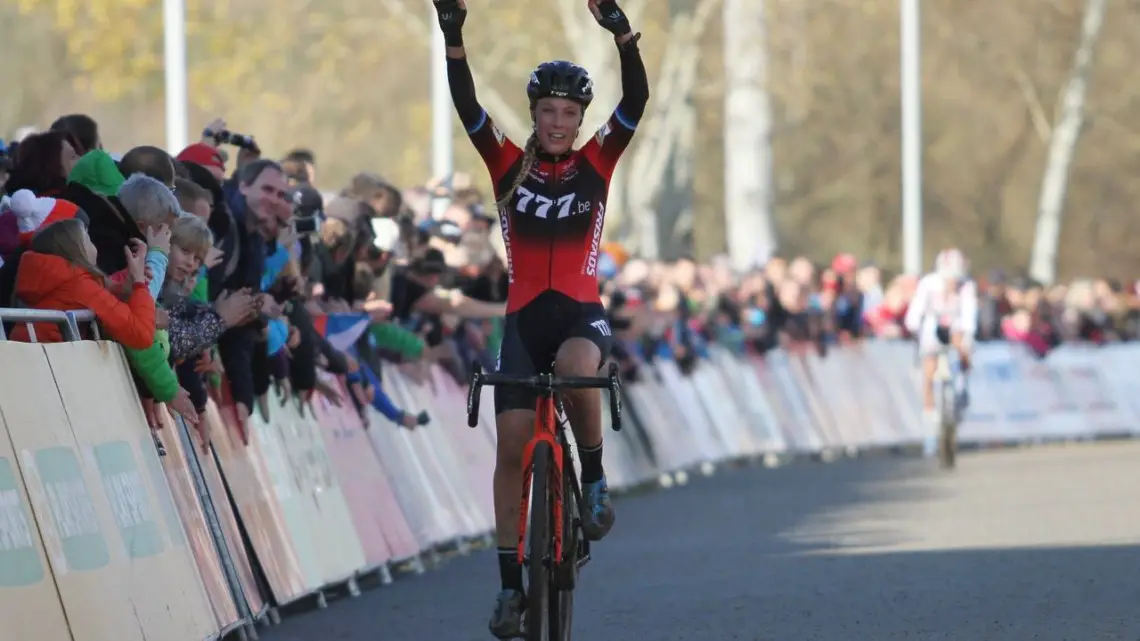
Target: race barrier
[[101, 538]]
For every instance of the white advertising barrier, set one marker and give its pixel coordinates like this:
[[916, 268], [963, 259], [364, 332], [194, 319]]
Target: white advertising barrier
[[866, 396]]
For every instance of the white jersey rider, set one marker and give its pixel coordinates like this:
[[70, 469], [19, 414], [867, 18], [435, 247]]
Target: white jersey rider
[[944, 311]]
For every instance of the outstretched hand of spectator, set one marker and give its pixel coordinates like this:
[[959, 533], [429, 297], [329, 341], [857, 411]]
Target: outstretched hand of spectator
[[161, 318], [184, 406], [378, 309], [236, 308], [136, 261], [246, 156], [217, 125], [207, 364], [269, 306], [329, 392], [284, 390], [214, 257], [158, 238]]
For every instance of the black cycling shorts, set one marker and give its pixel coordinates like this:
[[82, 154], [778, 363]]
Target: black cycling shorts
[[533, 335]]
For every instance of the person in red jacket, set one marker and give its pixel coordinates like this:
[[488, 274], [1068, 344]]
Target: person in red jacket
[[59, 272]]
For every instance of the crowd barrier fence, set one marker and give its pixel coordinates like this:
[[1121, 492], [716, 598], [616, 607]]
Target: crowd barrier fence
[[101, 539]]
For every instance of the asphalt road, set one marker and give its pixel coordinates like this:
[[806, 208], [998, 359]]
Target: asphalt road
[[1028, 545]]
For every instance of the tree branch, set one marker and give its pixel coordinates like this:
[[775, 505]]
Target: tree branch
[[571, 12], [1033, 102]]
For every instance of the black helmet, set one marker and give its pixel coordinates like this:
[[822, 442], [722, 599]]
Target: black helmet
[[560, 79]]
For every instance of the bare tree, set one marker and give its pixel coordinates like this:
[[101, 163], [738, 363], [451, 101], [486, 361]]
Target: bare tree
[[1062, 147], [748, 196]]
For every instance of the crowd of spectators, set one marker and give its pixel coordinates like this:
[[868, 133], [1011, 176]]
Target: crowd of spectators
[[796, 301], [218, 277]]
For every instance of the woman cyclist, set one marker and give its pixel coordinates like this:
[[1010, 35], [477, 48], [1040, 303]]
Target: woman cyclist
[[552, 204]]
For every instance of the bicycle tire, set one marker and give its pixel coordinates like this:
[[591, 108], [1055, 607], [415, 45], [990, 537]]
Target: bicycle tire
[[540, 545], [562, 598], [947, 441]]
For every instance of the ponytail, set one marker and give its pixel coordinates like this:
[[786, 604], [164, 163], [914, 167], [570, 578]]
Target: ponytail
[[530, 155]]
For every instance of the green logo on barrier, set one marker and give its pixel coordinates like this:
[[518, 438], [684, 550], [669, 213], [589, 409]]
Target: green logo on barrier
[[129, 500], [162, 488], [72, 512], [19, 562]]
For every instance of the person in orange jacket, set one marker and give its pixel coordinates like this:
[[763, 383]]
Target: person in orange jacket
[[59, 272]]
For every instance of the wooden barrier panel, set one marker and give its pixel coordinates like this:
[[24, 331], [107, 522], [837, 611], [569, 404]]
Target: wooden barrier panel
[[227, 520], [181, 482], [257, 505], [94, 587], [434, 453], [380, 524], [154, 574], [326, 524], [30, 607]]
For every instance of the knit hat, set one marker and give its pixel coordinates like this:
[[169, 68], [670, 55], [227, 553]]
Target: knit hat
[[33, 213], [96, 171], [202, 154]]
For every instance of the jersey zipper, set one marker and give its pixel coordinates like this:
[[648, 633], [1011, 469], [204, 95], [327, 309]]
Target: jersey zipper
[[550, 255]]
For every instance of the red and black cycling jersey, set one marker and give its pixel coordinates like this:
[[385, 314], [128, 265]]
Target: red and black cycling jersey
[[552, 227]]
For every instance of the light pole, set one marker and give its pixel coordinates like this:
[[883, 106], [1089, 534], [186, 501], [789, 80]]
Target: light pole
[[174, 65], [911, 89]]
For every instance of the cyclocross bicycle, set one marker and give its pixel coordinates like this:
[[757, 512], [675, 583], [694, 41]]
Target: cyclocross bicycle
[[948, 403], [557, 548]]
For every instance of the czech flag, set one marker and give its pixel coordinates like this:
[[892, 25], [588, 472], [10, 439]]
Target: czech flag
[[342, 330]]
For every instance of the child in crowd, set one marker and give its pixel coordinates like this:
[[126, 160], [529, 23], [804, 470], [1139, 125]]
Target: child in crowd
[[199, 202], [154, 219], [195, 325], [59, 272], [152, 365]]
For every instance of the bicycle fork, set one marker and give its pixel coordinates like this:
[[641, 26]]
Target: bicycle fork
[[546, 418]]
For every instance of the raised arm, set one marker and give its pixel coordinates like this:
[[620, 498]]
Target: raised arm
[[497, 151], [607, 146]]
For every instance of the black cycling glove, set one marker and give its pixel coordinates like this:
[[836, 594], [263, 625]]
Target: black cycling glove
[[451, 18], [612, 18]]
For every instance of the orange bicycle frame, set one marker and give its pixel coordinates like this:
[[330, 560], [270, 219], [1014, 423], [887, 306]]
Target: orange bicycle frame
[[545, 430]]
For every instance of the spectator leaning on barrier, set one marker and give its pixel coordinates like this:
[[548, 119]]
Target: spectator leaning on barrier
[[59, 273], [262, 192]]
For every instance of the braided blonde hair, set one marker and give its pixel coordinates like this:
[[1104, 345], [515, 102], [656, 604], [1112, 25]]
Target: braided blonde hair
[[530, 156]]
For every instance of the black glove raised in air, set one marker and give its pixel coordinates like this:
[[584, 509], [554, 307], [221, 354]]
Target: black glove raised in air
[[452, 14], [610, 16]]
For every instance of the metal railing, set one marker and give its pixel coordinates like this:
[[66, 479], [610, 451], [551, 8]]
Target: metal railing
[[68, 321]]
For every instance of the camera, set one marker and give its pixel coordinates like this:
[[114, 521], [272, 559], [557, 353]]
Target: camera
[[242, 141], [308, 206]]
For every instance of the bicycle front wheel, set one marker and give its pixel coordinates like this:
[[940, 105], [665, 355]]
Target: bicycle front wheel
[[562, 587], [948, 428], [540, 542]]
